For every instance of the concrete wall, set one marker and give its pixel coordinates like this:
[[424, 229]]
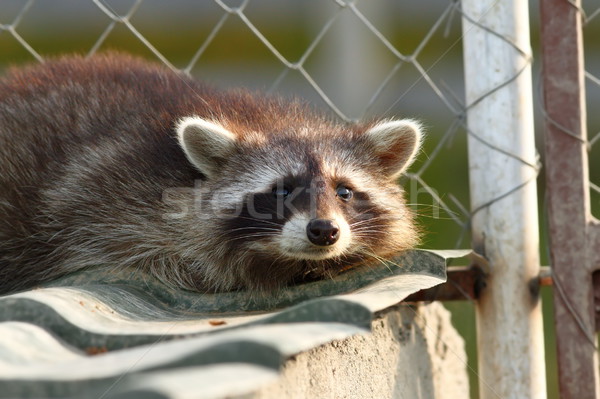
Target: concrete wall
[[412, 352]]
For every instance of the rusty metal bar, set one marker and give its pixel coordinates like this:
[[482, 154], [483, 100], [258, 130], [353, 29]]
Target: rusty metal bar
[[545, 278], [596, 282], [466, 282], [594, 243], [463, 284], [570, 220]]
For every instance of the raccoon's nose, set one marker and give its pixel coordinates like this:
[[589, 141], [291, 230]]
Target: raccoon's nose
[[322, 232]]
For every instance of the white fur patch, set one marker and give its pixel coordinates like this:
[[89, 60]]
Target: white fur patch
[[387, 134], [253, 181], [382, 196], [203, 142], [293, 241]]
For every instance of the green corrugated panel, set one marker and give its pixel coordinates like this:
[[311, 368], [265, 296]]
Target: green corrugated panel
[[147, 329]]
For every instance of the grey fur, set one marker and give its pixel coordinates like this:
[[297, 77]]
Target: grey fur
[[93, 174]]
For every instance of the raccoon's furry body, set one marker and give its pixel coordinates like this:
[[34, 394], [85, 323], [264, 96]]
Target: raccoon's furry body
[[115, 162]]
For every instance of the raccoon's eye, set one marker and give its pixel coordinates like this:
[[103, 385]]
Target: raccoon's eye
[[344, 193], [281, 191]]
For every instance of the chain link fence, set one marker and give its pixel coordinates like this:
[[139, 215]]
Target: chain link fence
[[359, 59]]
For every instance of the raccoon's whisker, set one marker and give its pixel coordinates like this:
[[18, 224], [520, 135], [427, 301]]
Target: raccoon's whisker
[[265, 221], [424, 209], [250, 230], [364, 261], [381, 260], [254, 228], [245, 237], [365, 212], [387, 216], [369, 223], [278, 261], [366, 233], [367, 229], [363, 222], [388, 261]]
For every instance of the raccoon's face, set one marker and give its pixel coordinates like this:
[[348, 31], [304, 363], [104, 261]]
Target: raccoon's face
[[303, 203]]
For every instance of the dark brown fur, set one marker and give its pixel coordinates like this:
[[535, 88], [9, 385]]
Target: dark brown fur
[[88, 148]]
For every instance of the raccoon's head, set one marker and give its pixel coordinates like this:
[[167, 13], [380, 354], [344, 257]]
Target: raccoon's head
[[293, 204]]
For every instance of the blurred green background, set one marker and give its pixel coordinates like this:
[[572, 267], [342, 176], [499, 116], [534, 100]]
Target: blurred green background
[[349, 64]]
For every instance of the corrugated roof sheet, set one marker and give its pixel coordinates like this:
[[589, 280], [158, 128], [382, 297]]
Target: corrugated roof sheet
[[95, 334]]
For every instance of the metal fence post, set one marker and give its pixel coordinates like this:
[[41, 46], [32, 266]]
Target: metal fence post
[[574, 233], [503, 170]]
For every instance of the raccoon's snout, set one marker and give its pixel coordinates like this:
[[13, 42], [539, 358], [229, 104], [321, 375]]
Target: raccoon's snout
[[322, 232]]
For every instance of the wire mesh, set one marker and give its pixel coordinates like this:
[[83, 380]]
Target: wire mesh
[[349, 56], [360, 59], [385, 71]]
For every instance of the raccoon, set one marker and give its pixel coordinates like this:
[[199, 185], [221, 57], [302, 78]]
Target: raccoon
[[115, 162]]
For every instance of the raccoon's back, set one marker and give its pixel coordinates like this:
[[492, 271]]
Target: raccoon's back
[[111, 114], [87, 148]]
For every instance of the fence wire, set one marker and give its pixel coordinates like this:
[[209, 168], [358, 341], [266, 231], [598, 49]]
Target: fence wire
[[358, 58], [403, 81], [423, 80]]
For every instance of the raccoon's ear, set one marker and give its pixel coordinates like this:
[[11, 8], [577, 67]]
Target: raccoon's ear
[[206, 144], [396, 143]]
